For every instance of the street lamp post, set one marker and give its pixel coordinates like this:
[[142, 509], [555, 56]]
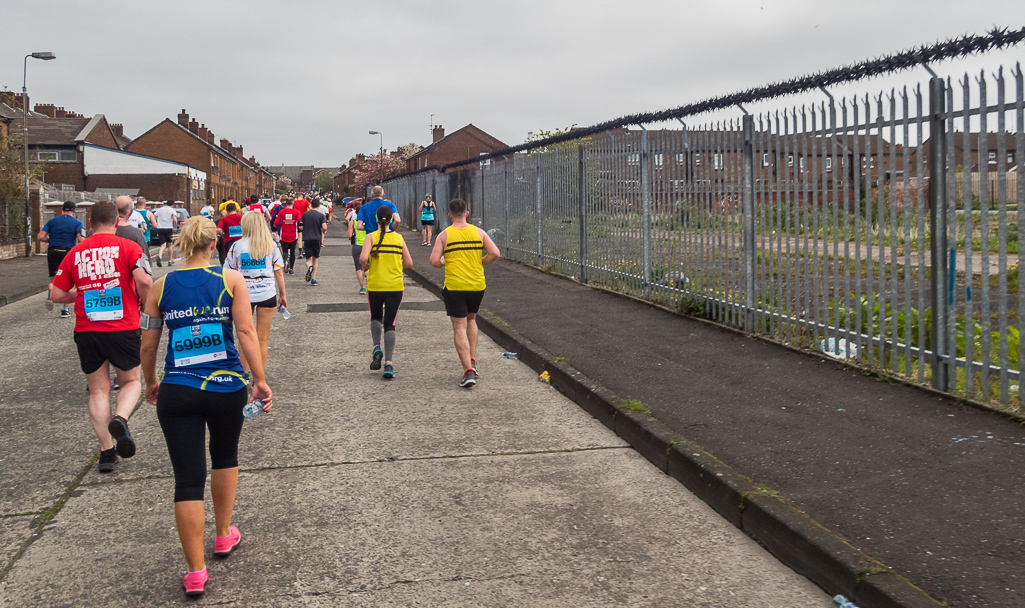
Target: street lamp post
[[45, 56], [380, 159]]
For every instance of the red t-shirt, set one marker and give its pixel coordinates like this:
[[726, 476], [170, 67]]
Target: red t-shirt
[[231, 227], [288, 220], [101, 268], [302, 206], [258, 208]]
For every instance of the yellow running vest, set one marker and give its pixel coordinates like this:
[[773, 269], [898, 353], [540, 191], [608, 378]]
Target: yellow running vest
[[385, 272], [463, 252]]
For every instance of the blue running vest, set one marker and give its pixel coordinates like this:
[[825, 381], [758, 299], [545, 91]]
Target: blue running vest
[[201, 353]]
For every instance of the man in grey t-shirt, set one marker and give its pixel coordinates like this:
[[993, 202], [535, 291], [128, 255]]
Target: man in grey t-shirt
[[313, 224]]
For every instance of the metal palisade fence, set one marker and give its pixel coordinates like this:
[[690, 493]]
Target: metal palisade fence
[[879, 230]]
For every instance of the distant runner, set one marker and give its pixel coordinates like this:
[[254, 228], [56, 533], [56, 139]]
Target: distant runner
[[61, 233], [356, 237], [105, 277], [167, 221], [287, 223], [314, 226], [427, 209], [462, 245], [384, 256]]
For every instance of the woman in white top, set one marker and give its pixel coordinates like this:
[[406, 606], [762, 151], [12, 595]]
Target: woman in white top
[[259, 260]]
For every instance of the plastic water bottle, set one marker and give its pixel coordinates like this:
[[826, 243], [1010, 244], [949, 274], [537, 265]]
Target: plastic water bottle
[[510, 355], [840, 601], [284, 312], [253, 408]]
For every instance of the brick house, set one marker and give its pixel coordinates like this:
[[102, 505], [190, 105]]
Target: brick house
[[57, 144], [468, 142], [229, 174]]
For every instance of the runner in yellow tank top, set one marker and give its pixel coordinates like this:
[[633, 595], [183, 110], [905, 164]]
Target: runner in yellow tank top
[[383, 257], [460, 249]]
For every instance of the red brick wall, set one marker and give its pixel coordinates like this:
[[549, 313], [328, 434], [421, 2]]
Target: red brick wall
[[101, 136]]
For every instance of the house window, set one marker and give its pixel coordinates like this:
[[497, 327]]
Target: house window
[[697, 159], [633, 159], [992, 158], [802, 164], [659, 161], [1010, 158], [486, 162], [681, 159], [765, 159], [717, 161], [790, 160], [829, 164]]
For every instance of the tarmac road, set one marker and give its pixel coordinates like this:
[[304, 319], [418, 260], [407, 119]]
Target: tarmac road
[[359, 491]]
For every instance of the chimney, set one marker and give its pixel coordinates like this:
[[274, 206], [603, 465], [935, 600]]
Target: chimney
[[118, 129], [7, 97], [439, 132], [238, 152], [61, 113], [225, 144], [183, 119], [203, 132], [193, 126], [210, 137], [47, 109], [19, 100]]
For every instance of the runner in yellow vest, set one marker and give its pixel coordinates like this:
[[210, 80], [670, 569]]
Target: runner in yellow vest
[[356, 235], [459, 250], [384, 256]]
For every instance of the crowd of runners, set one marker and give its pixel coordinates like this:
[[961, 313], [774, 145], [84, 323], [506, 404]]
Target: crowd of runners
[[216, 353]]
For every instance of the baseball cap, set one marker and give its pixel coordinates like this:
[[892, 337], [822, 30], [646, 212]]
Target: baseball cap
[[68, 206]]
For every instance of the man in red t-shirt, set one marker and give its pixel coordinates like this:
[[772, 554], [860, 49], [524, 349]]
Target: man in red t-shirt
[[302, 206], [107, 279], [229, 229], [287, 221]]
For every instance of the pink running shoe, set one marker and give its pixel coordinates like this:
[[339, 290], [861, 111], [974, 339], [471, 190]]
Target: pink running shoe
[[194, 582], [224, 545]]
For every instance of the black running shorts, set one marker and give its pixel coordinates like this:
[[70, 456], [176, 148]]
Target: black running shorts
[[271, 302], [460, 303], [121, 348], [165, 235], [54, 257], [311, 248]]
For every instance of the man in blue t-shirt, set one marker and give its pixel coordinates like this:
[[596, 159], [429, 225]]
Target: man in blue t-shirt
[[368, 212], [61, 232]]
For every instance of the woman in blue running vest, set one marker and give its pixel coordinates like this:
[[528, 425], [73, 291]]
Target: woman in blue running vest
[[427, 209], [203, 307]]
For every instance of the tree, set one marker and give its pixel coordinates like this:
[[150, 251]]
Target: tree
[[369, 172], [12, 189], [409, 150], [324, 181]]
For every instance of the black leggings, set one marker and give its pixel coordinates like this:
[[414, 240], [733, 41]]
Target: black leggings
[[384, 307], [288, 252], [184, 413]]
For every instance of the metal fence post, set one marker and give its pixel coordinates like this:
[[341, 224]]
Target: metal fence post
[[483, 198], [505, 187], [582, 200], [540, 226], [646, 206], [749, 223], [938, 232]]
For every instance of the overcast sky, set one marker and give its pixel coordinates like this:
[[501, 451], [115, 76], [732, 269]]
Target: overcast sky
[[303, 81]]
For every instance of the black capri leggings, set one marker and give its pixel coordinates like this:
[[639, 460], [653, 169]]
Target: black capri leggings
[[184, 413], [384, 307], [288, 252]]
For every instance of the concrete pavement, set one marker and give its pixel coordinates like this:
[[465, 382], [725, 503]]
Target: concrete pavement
[[360, 491]]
